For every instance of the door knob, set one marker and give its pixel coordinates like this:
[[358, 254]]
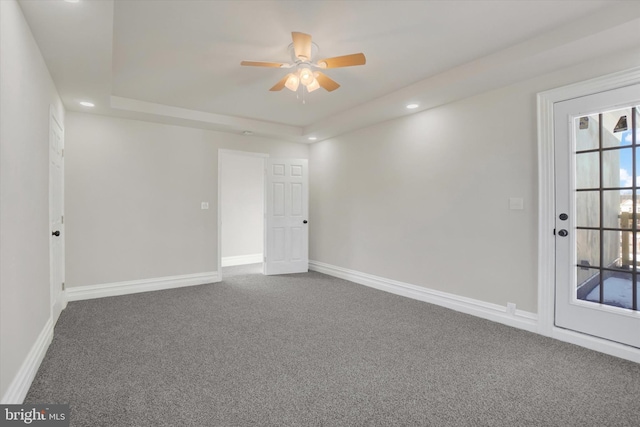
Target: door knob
[[56, 233], [305, 221], [563, 233]]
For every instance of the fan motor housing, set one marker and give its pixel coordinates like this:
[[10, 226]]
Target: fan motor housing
[[314, 52]]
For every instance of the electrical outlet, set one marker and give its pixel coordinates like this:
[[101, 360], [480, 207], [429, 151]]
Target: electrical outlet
[[204, 205], [511, 308]]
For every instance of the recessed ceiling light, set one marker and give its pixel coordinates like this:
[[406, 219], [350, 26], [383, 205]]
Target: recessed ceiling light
[[247, 132], [313, 138], [412, 106], [87, 104], [72, 1]]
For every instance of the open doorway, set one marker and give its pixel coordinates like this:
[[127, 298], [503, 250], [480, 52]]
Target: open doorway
[[241, 207]]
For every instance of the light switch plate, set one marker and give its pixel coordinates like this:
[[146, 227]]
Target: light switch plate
[[204, 205], [516, 203]]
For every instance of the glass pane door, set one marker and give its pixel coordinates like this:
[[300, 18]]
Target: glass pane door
[[607, 208], [597, 168]]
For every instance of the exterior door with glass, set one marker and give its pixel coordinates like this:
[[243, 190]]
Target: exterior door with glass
[[597, 168]]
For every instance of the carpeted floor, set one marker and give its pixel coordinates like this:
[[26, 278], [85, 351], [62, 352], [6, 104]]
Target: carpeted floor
[[241, 270], [312, 350]]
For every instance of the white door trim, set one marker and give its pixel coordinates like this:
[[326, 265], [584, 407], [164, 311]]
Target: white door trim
[[221, 152], [546, 210]]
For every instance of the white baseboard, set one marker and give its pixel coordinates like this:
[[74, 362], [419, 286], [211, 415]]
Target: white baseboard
[[597, 344], [497, 313], [144, 285], [229, 261], [21, 383]]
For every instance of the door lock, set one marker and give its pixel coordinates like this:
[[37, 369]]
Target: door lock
[[564, 216], [55, 233], [563, 233]]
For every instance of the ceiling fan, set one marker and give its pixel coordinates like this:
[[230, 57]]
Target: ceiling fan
[[303, 51]]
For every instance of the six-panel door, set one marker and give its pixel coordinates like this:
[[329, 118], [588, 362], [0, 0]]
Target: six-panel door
[[287, 201]]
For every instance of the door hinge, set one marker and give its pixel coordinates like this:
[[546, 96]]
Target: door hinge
[[62, 153], [62, 219], [554, 231], [265, 259], [63, 286]]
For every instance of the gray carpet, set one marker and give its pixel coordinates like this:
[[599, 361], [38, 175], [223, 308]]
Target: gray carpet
[[241, 270], [312, 350]]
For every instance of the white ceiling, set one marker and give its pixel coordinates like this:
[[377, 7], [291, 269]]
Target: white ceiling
[[179, 61]]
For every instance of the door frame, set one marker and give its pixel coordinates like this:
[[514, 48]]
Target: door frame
[[264, 156], [546, 210]]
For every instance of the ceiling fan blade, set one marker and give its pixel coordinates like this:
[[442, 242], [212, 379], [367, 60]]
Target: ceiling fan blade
[[302, 45], [262, 64], [326, 83], [280, 84], [343, 61]]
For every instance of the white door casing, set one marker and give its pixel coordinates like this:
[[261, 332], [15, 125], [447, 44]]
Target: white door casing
[[546, 210], [599, 320], [287, 232], [56, 215]]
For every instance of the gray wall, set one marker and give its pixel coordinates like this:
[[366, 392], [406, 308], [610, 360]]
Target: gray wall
[[242, 205], [133, 195], [424, 199], [27, 94]]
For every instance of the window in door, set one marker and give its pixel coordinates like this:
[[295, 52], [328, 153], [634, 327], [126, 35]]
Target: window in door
[[607, 165]]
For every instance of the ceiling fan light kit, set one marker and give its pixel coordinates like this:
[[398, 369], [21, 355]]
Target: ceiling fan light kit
[[293, 81], [313, 85], [303, 50]]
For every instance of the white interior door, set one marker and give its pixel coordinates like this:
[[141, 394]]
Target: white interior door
[[56, 215], [287, 232], [597, 168]]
